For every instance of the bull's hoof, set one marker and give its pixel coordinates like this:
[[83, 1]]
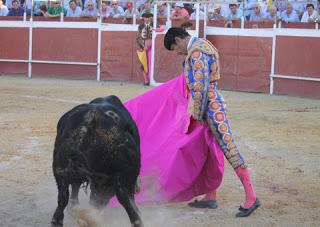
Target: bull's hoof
[[137, 223], [56, 223]]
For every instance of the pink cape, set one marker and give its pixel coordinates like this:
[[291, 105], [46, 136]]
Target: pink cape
[[180, 159]]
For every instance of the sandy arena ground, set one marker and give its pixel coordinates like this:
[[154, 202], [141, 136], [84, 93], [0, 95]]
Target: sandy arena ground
[[278, 135]]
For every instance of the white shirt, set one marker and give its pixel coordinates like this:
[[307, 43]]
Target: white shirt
[[75, 13], [306, 17], [4, 10]]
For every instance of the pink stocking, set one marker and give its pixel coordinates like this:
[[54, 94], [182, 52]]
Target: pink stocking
[[244, 177]]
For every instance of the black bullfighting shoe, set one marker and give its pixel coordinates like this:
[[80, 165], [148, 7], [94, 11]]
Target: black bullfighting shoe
[[211, 204], [246, 212]]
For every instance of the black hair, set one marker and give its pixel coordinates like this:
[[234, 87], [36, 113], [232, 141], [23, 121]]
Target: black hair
[[310, 4], [147, 15], [172, 33]]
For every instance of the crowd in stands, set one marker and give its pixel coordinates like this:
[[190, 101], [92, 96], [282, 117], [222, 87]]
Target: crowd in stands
[[250, 10]]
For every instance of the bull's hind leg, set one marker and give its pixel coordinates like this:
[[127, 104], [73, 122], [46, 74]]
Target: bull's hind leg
[[125, 196], [74, 200], [63, 197]]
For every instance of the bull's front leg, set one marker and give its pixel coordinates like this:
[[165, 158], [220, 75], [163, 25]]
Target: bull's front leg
[[63, 197]]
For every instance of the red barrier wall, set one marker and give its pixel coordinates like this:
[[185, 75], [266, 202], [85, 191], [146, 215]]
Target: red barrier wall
[[14, 45], [65, 44], [245, 62], [302, 54]]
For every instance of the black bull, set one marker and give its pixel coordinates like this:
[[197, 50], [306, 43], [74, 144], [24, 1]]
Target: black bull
[[97, 144]]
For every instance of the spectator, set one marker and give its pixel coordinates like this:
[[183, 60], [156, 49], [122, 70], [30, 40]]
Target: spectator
[[73, 10], [16, 9], [248, 8], [201, 14], [3, 9], [116, 10], [235, 13], [95, 5], [289, 15], [40, 8], [310, 15], [271, 13], [130, 11], [89, 11], [179, 12], [147, 8], [257, 14], [54, 10], [162, 10], [105, 9], [215, 13]]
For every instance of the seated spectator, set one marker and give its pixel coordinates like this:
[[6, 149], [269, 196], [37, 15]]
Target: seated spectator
[[146, 8], [95, 5], [257, 14], [90, 11], [73, 10], [201, 14], [3, 9], [215, 13], [16, 9], [130, 11], [40, 8], [105, 10], [310, 15], [54, 10], [289, 15], [271, 13], [179, 12], [235, 13], [116, 10], [162, 10]]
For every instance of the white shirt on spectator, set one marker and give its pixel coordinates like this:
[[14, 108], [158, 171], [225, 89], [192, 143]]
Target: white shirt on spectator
[[75, 13], [257, 17], [129, 13], [236, 16], [4, 11], [116, 13], [306, 17], [292, 17]]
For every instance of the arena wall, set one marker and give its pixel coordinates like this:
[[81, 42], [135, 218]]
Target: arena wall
[[246, 59]]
